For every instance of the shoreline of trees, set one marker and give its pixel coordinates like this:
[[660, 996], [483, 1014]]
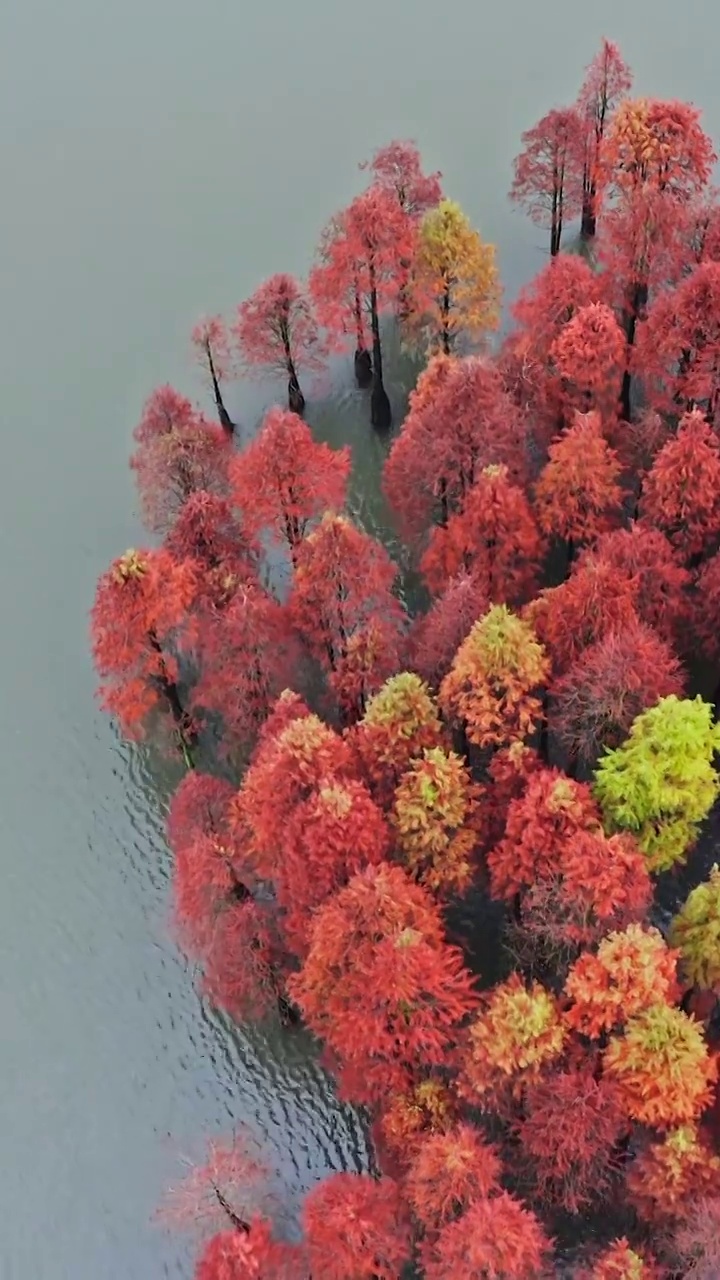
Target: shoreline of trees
[[535, 738]]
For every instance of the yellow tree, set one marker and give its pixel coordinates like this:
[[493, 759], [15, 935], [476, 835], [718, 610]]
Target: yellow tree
[[456, 285]]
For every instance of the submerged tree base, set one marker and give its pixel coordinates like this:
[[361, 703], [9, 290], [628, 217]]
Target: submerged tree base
[[363, 368], [380, 410], [296, 399]]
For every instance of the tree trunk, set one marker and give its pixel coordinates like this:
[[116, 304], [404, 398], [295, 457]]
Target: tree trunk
[[226, 421], [446, 338], [296, 399], [230, 1213], [363, 368], [638, 298], [187, 738], [380, 411], [588, 222]]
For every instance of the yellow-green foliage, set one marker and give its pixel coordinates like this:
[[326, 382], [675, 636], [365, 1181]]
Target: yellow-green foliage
[[492, 683], [695, 931], [435, 817], [660, 783]]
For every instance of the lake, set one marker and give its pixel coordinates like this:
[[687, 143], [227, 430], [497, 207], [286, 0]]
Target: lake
[[160, 157]]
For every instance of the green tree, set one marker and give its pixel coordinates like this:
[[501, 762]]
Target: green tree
[[660, 783]]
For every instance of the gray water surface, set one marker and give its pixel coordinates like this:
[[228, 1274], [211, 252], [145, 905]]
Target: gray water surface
[[159, 158]]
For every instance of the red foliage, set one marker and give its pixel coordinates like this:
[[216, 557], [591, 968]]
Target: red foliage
[[462, 421], [607, 81], [204, 878], [493, 537], [657, 146], [228, 1190], [276, 330], [706, 607], [211, 341], [396, 167], [296, 754], [495, 1237], [343, 607], [548, 172], [577, 883], [178, 453], [141, 604], [509, 771], [449, 1172], [377, 952], [436, 636], [612, 682], [698, 1239], [620, 1262], [331, 836], [365, 255], [643, 556], [247, 657], [569, 1130], [681, 494], [631, 970], [577, 496], [594, 600], [284, 480], [242, 960], [552, 298], [399, 724], [678, 349], [589, 356], [208, 532], [250, 1255], [356, 1228]]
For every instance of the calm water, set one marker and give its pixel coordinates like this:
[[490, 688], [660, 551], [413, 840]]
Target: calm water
[[159, 157]]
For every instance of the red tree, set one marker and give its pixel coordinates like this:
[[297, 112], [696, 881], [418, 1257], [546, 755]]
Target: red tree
[[377, 952], [365, 255], [400, 723], [250, 1255], [541, 311], [211, 342], [396, 167], [343, 606], [612, 682], [678, 349], [654, 159], [448, 1173], [356, 1228], [493, 537], [178, 453], [436, 636], [140, 607], [244, 961], [643, 556], [577, 496], [496, 1237], [247, 657], [277, 333], [226, 1192], [681, 494], [284, 480], [462, 421], [607, 81], [204, 876], [569, 1131], [223, 554], [595, 599], [548, 176], [589, 356]]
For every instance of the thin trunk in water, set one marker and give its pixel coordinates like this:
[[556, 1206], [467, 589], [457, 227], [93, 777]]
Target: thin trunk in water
[[168, 688], [363, 359], [238, 1223], [226, 421], [380, 411], [296, 399]]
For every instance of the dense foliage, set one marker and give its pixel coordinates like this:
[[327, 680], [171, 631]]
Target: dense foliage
[[535, 745]]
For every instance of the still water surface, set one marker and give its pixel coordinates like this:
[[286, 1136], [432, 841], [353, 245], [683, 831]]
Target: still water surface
[[159, 158]]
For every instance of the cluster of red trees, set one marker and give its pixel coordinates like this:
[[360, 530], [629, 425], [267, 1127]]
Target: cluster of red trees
[[535, 736]]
